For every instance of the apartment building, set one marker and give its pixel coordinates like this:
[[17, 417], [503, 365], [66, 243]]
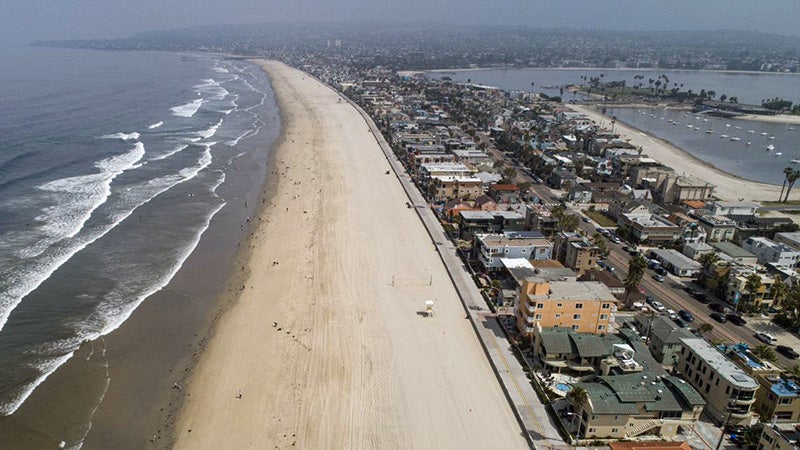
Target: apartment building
[[729, 391], [575, 251]]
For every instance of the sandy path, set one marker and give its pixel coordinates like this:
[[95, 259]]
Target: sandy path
[[353, 365], [729, 187]]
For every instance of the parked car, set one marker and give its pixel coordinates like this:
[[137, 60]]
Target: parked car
[[586, 219], [766, 338], [787, 352], [686, 315], [615, 239], [659, 278], [658, 306], [649, 300], [661, 271], [718, 307], [736, 319], [672, 314], [702, 298], [681, 323], [719, 317]]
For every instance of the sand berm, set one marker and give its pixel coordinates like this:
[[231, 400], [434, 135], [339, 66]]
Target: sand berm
[[352, 362]]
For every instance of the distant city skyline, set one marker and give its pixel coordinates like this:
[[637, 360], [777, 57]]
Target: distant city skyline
[[23, 22]]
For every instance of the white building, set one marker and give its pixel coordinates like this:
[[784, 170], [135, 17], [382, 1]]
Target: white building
[[734, 208], [491, 248], [768, 251]]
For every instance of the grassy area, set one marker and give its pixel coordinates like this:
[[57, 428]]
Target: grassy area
[[601, 218]]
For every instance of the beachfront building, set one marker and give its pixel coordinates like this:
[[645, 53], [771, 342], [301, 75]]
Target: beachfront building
[[675, 188], [649, 228], [471, 223], [768, 251], [664, 337], [728, 390], [583, 306], [722, 208], [491, 248], [718, 228], [634, 396], [575, 251], [443, 188], [734, 253], [780, 436], [614, 284], [504, 193], [791, 239], [778, 398]]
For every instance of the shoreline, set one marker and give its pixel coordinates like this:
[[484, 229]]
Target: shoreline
[[322, 349], [610, 69], [729, 187]]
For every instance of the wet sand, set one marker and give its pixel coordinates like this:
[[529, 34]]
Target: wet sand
[[327, 345]]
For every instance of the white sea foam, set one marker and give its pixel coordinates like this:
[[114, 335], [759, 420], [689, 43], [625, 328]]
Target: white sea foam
[[113, 314], [213, 88], [189, 109], [210, 131], [155, 125], [124, 136], [175, 150], [219, 69]]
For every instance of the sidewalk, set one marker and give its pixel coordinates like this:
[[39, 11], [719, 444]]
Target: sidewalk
[[539, 428]]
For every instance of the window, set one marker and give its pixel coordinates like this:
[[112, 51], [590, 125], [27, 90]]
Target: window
[[615, 430], [558, 316], [603, 316], [576, 317], [538, 317], [727, 390], [578, 305], [605, 306], [616, 417], [540, 306], [559, 305], [785, 401], [601, 327], [592, 430], [576, 327]]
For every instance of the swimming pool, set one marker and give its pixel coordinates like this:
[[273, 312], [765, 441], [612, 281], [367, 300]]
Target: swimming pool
[[563, 387]]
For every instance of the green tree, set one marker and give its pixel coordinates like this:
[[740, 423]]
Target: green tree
[[793, 372], [636, 267], [705, 328], [578, 396], [786, 172], [598, 240], [708, 259], [568, 222], [764, 353], [790, 180], [751, 285], [778, 291]]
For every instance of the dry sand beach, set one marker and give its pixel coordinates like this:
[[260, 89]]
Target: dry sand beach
[[350, 361], [729, 187]]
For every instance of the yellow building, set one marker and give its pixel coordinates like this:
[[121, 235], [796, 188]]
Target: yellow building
[[583, 306], [445, 188]]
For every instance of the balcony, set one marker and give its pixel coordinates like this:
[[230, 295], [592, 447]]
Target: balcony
[[530, 308], [744, 401]]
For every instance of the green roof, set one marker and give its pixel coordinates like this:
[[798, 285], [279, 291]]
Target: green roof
[[732, 250], [686, 392], [555, 340], [591, 345]]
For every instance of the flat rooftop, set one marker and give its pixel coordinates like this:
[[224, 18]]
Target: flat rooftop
[[720, 363], [574, 290]]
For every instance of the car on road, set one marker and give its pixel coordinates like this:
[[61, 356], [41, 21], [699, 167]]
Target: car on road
[[659, 278], [649, 300], [661, 271], [680, 323], [719, 317], [702, 298], [686, 315], [766, 338], [658, 306], [672, 314], [718, 307], [614, 239], [736, 319], [586, 219], [787, 352]]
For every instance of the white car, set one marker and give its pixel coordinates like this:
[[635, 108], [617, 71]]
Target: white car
[[767, 338], [672, 314], [658, 306]]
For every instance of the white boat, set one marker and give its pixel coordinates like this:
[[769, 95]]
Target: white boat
[[705, 120], [710, 131], [750, 131], [795, 161], [738, 128], [791, 128], [771, 138], [736, 139], [727, 124], [689, 126], [747, 143], [770, 147], [723, 136], [763, 133], [778, 153], [696, 128]]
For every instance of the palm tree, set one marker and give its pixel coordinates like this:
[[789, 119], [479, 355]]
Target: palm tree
[[793, 372], [790, 179], [778, 291], [752, 284], [708, 259], [598, 240], [635, 272], [786, 172], [764, 353]]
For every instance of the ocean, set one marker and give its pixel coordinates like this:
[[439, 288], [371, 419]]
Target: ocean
[[112, 167], [749, 161]]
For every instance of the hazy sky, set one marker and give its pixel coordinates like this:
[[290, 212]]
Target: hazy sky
[[26, 20]]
